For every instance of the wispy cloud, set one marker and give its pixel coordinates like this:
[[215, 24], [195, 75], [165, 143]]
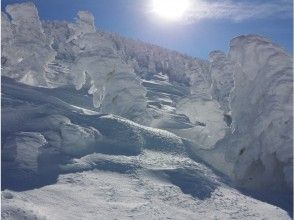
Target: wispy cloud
[[238, 10]]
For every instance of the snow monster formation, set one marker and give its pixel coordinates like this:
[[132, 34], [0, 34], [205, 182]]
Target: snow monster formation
[[257, 78], [70, 91]]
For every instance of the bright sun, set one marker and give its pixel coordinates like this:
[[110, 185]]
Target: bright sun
[[170, 9]]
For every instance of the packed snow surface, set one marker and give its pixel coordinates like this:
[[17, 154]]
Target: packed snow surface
[[96, 126]]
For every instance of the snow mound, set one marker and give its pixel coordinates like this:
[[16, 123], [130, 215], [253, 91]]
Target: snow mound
[[258, 152], [41, 132], [22, 157], [262, 111], [108, 132]]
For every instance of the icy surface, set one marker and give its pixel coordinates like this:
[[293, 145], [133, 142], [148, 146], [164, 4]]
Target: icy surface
[[86, 112]]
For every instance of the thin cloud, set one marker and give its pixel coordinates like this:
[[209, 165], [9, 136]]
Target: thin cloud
[[238, 10]]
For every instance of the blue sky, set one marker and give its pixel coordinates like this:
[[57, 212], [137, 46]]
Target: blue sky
[[206, 26]]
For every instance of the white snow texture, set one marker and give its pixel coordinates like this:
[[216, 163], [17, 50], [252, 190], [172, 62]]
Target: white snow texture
[[85, 108]]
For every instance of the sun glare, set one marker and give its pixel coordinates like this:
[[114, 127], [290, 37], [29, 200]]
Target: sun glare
[[170, 9]]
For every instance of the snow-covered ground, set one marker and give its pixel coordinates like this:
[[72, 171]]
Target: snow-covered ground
[[152, 185], [96, 126], [63, 162]]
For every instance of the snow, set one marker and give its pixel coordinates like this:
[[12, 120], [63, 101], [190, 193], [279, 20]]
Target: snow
[[159, 181], [222, 73], [147, 194], [24, 150], [208, 117], [78, 139], [267, 72], [100, 126], [85, 22], [28, 44], [259, 147]]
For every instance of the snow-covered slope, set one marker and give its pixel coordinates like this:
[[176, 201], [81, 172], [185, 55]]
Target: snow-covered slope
[[84, 110], [122, 76], [64, 162]]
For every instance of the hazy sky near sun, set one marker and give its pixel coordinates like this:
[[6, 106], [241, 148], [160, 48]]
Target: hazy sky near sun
[[205, 26]]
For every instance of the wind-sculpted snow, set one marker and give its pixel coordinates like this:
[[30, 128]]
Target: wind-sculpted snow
[[222, 70], [262, 112], [209, 118], [258, 152], [55, 144], [60, 130], [131, 169], [128, 78], [88, 111], [121, 75], [26, 50]]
